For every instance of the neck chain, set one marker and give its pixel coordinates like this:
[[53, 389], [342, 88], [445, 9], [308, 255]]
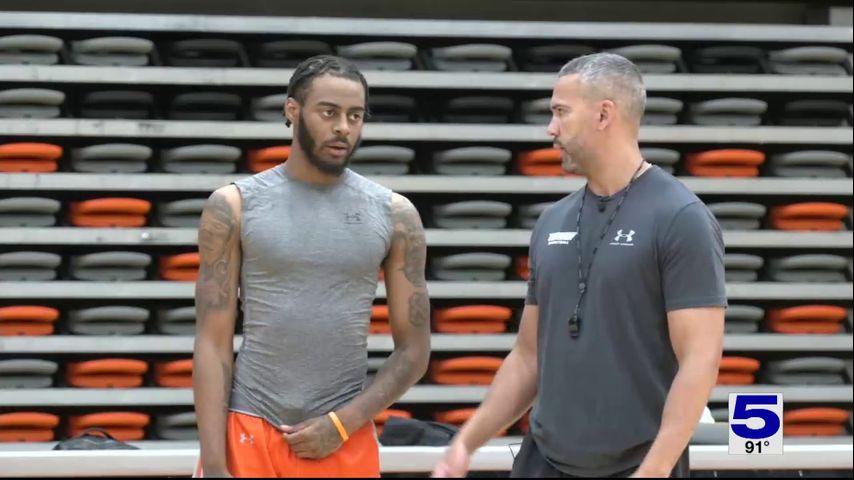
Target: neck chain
[[575, 321]]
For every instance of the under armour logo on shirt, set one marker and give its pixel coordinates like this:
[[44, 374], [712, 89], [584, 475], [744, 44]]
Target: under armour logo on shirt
[[247, 438], [353, 218], [624, 239]]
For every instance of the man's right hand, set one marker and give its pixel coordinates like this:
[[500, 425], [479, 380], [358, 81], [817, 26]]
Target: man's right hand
[[456, 462]]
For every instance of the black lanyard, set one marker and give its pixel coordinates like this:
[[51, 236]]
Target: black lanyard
[[575, 321]]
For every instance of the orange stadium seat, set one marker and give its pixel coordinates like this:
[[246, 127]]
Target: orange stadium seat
[[383, 417], [725, 163], [174, 374], [473, 370], [106, 373], [544, 162], [819, 421], [460, 416], [379, 320], [27, 426], [826, 319], [183, 267], [27, 320], [472, 319], [822, 216], [266, 158], [737, 370], [124, 426], [29, 157], [522, 270], [110, 212]]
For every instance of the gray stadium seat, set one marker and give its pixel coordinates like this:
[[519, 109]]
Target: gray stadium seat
[[382, 160], [111, 158], [380, 55], [288, 53], [810, 163], [126, 104], [181, 213], [393, 108], [110, 320], [31, 103], [176, 321], [815, 113], [472, 214], [482, 57], [27, 373], [212, 106], [30, 49], [738, 112], [527, 215], [472, 267], [269, 108], [551, 58], [664, 158], [176, 426], [738, 215], [537, 112], [205, 52], [112, 51], [206, 158], [472, 161], [742, 267], [374, 365], [815, 60], [28, 266], [743, 318], [740, 59], [710, 434], [808, 268], [478, 109], [661, 111], [651, 58], [28, 212], [721, 415], [806, 371], [110, 266]]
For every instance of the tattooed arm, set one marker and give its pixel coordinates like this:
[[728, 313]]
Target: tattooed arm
[[216, 311], [409, 316]]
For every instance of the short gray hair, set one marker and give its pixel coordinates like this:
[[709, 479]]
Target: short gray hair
[[612, 76]]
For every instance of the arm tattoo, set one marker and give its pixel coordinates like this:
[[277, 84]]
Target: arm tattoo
[[410, 234], [408, 230], [419, 308], [217, 236]]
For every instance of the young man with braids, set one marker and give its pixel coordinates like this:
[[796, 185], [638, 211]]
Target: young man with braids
[[302, 244]]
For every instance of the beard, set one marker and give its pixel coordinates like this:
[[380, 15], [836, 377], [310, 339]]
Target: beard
[[571, 158], [310, 147]]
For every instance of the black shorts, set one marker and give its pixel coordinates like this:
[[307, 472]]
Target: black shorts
[[530, 463]]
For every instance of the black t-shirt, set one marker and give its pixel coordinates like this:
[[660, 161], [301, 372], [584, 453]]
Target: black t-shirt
[[601, 395]]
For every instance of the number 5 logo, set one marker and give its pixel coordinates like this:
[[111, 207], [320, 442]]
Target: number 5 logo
[[742, 411]]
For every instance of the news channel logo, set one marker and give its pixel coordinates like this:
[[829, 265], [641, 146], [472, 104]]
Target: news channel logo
[[756, 423]]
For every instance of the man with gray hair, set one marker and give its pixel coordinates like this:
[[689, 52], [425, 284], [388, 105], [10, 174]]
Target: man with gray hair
[[622, 330]]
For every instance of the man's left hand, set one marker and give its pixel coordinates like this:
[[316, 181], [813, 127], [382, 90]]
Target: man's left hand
[[315, 438]]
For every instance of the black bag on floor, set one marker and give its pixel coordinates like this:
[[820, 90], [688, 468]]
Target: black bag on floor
[[400, 432], [93, 439]]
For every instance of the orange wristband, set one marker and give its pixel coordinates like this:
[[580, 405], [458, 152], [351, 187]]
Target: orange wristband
[[340, 426]]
